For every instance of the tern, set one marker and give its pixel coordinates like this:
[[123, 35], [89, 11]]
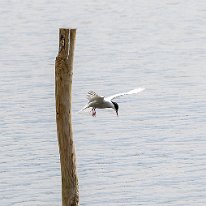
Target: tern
[[100, 102]]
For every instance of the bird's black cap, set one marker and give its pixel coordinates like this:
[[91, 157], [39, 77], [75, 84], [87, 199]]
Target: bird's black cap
[[116, 106]]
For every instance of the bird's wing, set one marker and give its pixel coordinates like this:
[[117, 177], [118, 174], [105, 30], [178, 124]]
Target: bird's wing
[[92, 96], [134, 91]]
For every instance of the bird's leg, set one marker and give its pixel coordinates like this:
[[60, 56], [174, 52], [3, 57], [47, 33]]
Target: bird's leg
[[93, 112]]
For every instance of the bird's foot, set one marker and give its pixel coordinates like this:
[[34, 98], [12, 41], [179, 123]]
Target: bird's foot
[[93, 112]]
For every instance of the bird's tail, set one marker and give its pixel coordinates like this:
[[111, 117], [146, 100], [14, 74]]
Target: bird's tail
[[85, 107]]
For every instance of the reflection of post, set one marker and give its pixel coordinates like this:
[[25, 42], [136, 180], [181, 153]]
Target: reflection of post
[[63, 81]]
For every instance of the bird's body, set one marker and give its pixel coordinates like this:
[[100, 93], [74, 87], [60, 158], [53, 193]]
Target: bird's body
[[100, 102]]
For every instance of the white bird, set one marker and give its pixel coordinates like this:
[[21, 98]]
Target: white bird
[[101, 102]]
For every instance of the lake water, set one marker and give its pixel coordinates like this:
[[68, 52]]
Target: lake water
[[154, 153]]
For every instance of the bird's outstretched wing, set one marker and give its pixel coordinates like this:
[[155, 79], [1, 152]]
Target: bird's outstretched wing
[[92, 96], [134, 91]]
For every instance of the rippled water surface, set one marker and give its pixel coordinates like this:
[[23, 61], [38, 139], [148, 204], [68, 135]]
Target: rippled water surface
[[155, 152]]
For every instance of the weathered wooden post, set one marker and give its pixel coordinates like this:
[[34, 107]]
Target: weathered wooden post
[[63, 88]]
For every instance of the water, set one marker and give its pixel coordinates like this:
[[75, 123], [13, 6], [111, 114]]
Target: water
[[155, 152]]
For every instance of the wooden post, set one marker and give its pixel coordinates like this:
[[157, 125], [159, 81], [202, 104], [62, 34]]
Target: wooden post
[[63, 88]]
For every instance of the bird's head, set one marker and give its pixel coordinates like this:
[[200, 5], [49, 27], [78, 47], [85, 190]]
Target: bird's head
[[116, 107]]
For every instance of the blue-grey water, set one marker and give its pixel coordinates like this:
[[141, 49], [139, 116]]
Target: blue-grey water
[[154, 153]]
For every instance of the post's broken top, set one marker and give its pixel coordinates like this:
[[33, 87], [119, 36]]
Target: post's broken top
[[63, 41], [65, 36]]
